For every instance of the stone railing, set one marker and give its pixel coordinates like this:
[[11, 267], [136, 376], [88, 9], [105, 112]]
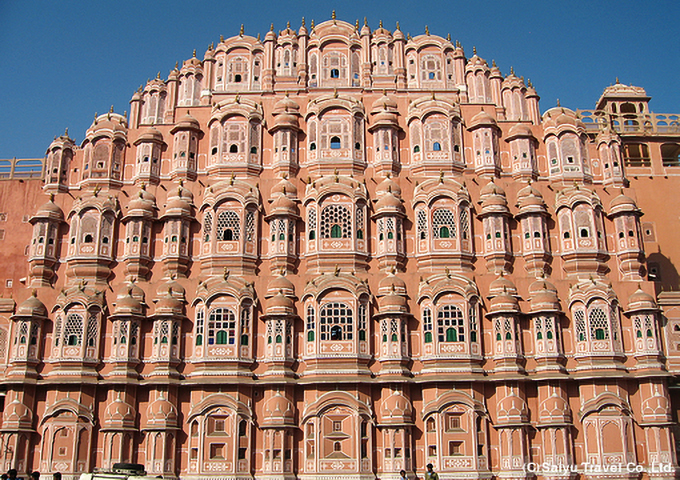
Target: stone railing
[[21, 168], [630, 123]]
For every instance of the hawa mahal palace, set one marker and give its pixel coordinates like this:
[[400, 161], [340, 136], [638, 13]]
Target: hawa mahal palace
[[337, 253]]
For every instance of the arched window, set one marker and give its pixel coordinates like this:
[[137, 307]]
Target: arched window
[[311, 223], [335, 73], [436, 147], [427, 325], [228, 226], [336, 321], [311, 323], [221, 327], [73, 330], [450, 324], [443, 223], [335, 143], [336, 216], [598, 324]]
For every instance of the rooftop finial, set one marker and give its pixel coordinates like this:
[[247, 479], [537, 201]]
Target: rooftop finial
[[158, 76], [66, 132], [111, 109], [493, 64], [333, 15], [474, 50], [221, 38], [427, 30], [288, 25], [194, 54], [448, 37], [312, 24], [356, 25], [212, 46], [241, 31], [303, 21], [512, 70], [380, 24], [617, 80], [271, 27], [176, 65], [529, 84], [457, 44], [365, 22], [558, 103], [258, 36], [408, 36], [398, 26]]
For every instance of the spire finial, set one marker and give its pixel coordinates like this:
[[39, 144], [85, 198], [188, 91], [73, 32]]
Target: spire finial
[[457, 44], [333, 15], [398, 26], [493, 64], [380, 24], [288, 25], [558, 103], [474, 50], [312, 24], [111, 109], [408, 36], [303, 21], [176, 65], [448, 37], [258, 36], [221, 38], [427, 30], [365, 22], [512, 70], [66, 132], [617, 80], [158, 75], [194, 54], [241, 31], [271, 27]]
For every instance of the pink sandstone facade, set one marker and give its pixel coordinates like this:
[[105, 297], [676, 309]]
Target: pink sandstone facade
[[340, 252]]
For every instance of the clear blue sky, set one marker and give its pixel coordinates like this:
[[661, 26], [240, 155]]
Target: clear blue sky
[[62, 61]]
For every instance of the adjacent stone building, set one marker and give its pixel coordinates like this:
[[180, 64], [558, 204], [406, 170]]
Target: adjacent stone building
[[340, 252]]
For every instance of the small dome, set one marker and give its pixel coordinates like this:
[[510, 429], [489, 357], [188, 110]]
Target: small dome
[[17, 414], [388, 202], [641, 300], [31, 307], [384, 103], [391, 284], [285, 187], [180, 202], [287, 104], [149, 134], [554, 409], [543, 297], [493, 198], [143, 204], [127, 304], [49, 210], [281, 284], [622, 203], [187, 122], [512, 409], [392, 303], [519, 130], [388, 185], [396, 408], [279, 304], [282, 205], [482, 119], [278, 410], [502, 285], [161, 412], [119, 412], [504, 303], [530, 200], [169, 305]]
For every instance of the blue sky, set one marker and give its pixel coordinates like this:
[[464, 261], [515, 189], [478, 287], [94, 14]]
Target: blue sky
[[65, 60]]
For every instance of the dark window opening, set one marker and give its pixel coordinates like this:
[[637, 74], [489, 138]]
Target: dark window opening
[[233, 148], [436, 147], [335, 143], [237, 78], [335, 73], [312, 146]]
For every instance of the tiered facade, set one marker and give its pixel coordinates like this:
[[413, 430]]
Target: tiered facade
[[339, 253]]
